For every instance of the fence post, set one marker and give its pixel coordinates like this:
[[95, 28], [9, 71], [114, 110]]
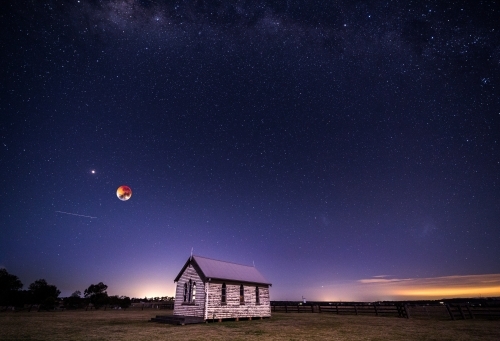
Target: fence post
[[470, 312], [450, 312], [376, 312], [461, 311], [356, 309], [407, 313]]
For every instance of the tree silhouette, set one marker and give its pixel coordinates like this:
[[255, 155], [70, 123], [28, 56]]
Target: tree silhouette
[[44, 294], [120, 301], [125, 302], [97, 294], [74, 301], [9, 288]]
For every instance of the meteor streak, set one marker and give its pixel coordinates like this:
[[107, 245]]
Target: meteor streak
[[79, 215]]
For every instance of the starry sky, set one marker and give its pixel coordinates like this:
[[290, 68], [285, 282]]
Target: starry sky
[[348, 149]]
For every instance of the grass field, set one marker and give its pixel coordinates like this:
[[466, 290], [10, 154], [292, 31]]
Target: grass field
[[134, 325]]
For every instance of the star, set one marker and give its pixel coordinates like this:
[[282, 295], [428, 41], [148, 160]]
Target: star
[[331, 123]]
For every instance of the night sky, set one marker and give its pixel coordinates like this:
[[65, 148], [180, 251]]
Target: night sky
[[349, 149]]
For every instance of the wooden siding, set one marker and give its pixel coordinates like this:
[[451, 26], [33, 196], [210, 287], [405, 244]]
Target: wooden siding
[[233, 309], [196, 309]]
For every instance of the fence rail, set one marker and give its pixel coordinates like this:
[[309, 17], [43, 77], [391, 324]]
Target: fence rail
[[400, 309], [153, 305], [344, 309], [465, 312]]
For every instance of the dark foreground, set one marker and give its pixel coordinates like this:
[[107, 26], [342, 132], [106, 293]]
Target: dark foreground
[[135, 325]]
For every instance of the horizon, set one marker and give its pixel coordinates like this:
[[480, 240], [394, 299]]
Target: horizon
[[378, 288]]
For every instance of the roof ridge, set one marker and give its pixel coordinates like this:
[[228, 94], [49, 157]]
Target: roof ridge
[[224, 261]]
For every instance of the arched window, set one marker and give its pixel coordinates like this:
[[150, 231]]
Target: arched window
[[257, 296], [194, 292], [190, 290], [242, 294], [223, 296], [185, 291]]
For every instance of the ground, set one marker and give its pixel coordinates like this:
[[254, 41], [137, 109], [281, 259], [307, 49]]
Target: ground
[[134, 325]]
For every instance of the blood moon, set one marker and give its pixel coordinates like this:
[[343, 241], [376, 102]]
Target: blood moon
[[123, 193]]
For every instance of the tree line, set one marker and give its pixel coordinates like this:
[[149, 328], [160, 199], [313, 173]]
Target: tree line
[[46, 296]]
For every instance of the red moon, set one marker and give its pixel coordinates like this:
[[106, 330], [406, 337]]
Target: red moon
[[123, 193]]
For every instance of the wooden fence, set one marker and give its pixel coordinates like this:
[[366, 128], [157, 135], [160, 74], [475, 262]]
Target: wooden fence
[[153, 305], [343, 309], [396, 309], [399, 310], [466, 311]]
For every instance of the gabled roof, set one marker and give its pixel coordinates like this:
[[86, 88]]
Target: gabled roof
[[211, 269]]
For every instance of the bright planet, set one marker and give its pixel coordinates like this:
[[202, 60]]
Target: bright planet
[[123, 193]]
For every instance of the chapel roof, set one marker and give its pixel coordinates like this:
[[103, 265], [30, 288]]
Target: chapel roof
[[211, 269]]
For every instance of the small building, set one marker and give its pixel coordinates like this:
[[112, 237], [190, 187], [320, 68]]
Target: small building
[[214, 289]]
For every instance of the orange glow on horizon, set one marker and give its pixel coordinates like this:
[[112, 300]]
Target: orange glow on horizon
[[450, 292], [379, 288]]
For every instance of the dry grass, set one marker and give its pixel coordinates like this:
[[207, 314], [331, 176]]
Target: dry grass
[[134, 325]]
